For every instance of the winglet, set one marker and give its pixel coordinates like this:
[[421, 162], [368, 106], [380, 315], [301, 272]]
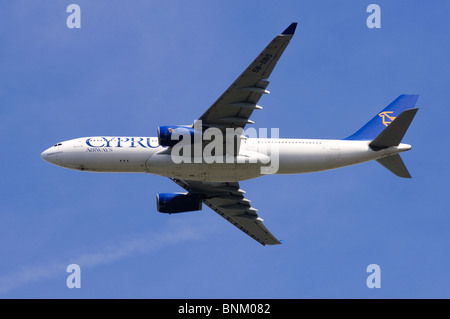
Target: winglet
[[290, 29]]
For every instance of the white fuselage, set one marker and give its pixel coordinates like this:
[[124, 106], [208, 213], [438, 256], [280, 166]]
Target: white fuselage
[[144, 155]]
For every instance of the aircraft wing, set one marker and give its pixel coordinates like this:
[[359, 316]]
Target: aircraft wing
[[235, 106], [227, 199]]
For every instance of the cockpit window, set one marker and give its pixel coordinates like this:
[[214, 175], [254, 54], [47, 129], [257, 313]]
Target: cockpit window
[[59, 144]]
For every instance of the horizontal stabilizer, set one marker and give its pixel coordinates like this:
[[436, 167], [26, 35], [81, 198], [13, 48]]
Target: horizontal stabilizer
[[393, 134], [395, 164]]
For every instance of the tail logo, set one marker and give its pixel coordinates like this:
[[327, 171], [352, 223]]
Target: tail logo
[[386, 118]]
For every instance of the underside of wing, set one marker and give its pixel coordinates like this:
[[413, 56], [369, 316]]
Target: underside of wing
[[235, 106], [228, 200]]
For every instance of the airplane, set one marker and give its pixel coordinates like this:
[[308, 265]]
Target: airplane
[[214, 182]]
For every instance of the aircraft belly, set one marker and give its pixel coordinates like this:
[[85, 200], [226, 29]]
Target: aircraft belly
[[162, 164], [302, 159], [303, 156], [329, 154], [107, 160]]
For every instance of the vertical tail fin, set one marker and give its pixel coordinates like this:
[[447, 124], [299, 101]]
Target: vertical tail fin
[[377, 124]]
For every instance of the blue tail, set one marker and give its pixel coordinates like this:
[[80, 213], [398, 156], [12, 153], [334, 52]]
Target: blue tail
[[376, 125]]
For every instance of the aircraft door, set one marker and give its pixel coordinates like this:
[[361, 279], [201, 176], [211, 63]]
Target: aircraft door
[[78, 143]]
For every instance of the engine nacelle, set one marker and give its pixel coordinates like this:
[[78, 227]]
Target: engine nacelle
[[171, 203], [165, 134]]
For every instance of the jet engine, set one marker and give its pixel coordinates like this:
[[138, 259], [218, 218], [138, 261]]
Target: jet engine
[[171, 135], [171, 203]]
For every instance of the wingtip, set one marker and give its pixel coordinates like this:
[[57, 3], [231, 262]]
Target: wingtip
[[290, 29]]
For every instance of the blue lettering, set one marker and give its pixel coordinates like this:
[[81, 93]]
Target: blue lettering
[[119, 139], [139, 142], [88, 142], [133, 142], [108, 141], [97, 149], [150, 145]]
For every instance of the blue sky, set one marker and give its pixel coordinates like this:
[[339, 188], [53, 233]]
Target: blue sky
[[136, 65]]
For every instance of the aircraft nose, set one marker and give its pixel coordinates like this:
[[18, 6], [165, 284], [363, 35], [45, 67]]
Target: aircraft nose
[[51, 155], [44, 155]]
